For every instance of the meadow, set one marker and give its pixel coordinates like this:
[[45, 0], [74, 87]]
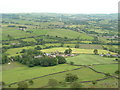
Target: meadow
[[108, 68], [23, 73], [86, 59], [14, 73]]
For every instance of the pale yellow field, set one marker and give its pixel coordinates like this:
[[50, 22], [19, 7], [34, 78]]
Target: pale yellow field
[[74, 50]]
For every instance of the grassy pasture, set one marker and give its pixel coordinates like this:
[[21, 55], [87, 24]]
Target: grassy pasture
[[61, 33], [53, 44], [108, 83], [84, 59], [90, 46], [21, 73], [29, 40], [110, 68], [83, 74], [14, 33]]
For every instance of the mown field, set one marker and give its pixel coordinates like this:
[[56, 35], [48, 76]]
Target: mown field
[[84, 59], [108, 68], [76, 50]]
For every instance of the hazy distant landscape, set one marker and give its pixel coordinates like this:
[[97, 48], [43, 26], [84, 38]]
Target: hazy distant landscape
[[53, 50]]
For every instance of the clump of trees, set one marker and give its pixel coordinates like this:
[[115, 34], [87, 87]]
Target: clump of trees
[[5, 59], [22, 85], [38, 48], [71, 77], [68, 51], [95, 51], [117, 72], [77, 46], [28, 58], [61, 60], [94, 82], [30, 82]]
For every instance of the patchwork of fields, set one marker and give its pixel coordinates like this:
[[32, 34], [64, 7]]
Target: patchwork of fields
[[88, 36]]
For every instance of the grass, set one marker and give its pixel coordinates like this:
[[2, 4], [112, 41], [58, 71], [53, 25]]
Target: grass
[[84, 59], [61, 33], [108, 83], [21, 73], [76, 50], [11, 66], [14, 33], [29, 40], [110, 68], [83, 74]]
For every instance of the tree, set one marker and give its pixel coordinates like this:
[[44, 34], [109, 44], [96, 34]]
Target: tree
[[3, 83], [75, 85], [22, 85], [23, 51], [71, 63], [107, 74], [94, 82], [95, 51], [30, 82], [38, 48], [5, 59], [117, 72], [77, 46], [61, 60], [52, 82], [63, 83], [68, 51], [71, 77]]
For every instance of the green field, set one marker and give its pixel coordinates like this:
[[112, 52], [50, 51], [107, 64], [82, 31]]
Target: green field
[[29, 40], [110, 68], [14, 33], [20, 73], [84, 59], [61, 33], [23, 72], [108, 83]]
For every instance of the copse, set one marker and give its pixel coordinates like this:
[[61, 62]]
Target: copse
[[95, 51], [5, 59], [61, 60], [38, 48], [68, 51], [71, 77], [48, 61]]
